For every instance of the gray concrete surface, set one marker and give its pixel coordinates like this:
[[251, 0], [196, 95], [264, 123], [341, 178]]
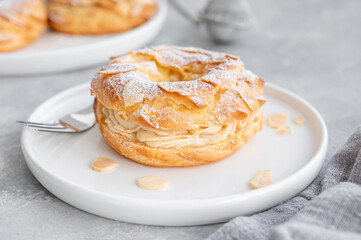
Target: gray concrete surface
[[311, 47]]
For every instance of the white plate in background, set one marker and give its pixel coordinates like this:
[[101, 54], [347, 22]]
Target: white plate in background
[[56, 52], [197, 195]]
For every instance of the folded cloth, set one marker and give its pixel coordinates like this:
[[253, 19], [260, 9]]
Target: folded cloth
[[329, 208]]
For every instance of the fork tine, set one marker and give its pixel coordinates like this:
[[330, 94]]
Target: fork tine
[[65, 130], [51, 129], [74, 122], [44, 127], [38, 123]]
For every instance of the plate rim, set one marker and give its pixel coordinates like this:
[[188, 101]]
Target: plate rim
[[317, 157]]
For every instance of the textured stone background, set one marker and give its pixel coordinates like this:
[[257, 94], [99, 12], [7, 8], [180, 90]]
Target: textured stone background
[[312, 47]]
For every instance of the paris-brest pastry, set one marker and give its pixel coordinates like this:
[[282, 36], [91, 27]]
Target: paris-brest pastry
[[176, 106]]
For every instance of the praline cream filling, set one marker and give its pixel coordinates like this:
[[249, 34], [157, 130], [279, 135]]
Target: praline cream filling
[[169, 138]]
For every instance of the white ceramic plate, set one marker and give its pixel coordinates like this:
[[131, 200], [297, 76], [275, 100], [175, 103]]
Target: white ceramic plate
[[55, 52], [197, 195]]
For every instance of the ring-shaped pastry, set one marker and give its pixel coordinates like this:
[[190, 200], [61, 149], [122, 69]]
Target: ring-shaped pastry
[[21, 22], [172, 106]]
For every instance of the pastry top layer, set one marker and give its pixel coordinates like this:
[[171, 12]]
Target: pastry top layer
[[19, 11], [169, 87]]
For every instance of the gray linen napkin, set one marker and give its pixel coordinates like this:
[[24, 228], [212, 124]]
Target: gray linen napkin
[[329, 208]]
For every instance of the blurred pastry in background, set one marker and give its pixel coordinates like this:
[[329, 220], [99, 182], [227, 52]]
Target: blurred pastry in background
[[21, 22], [99, 16]]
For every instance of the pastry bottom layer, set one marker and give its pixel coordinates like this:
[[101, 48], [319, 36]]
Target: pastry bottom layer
[[176, 157]]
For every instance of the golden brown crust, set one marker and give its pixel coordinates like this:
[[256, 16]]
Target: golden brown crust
[[175, 157], [169, 87], [21, 22], [99, 16]]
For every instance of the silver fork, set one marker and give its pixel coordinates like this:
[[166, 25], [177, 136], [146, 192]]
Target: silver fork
[[72, 123]]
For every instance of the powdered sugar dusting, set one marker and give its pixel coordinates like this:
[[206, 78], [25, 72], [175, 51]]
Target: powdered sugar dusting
[[198, 101], [196, 90], [225, 106], [142, 87], [148, 67], [116, 68], [250, 101], [204, 78], [137, 89], [247, 75], [122, 59], [216, 77], [180, 57], [186, 88], [144, 113], [133, 93], [131, 87], [112, 85]]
